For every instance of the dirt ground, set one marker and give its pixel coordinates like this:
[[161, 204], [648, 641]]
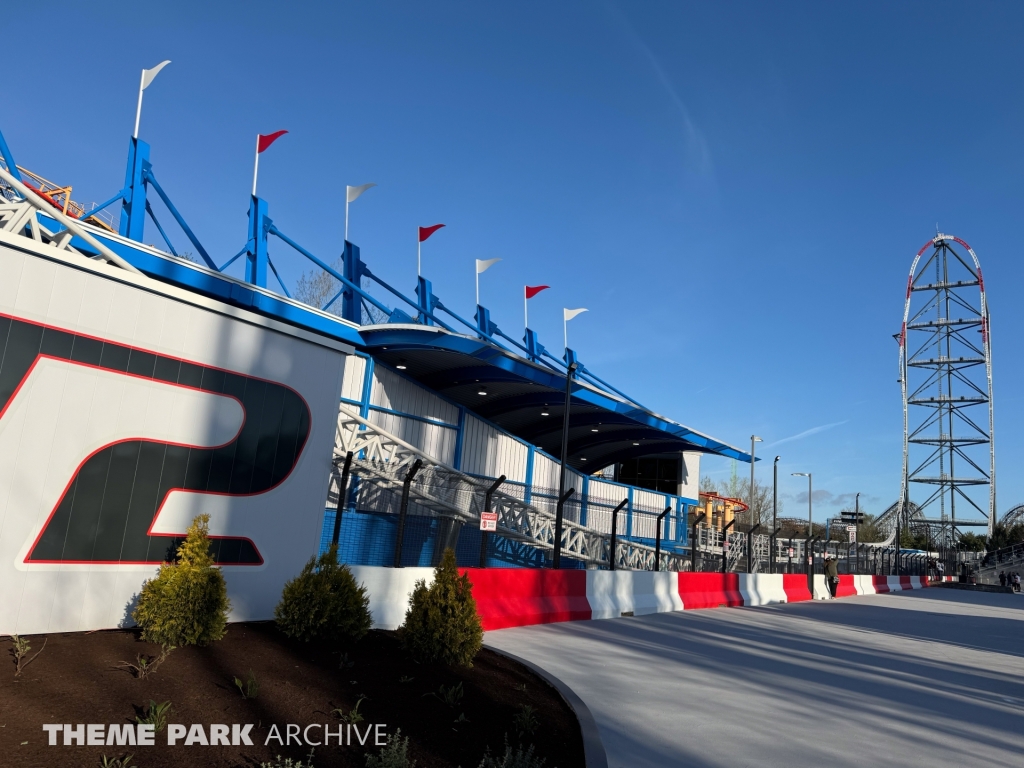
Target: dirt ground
[[78, 679]]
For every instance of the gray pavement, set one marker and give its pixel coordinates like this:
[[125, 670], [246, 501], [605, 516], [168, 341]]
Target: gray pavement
[[926, 678]]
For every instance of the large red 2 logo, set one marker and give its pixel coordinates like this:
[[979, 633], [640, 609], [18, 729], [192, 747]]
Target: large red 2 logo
[[108, 507]]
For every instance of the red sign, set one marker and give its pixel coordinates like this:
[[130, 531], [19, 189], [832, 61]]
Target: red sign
[[488, 521]]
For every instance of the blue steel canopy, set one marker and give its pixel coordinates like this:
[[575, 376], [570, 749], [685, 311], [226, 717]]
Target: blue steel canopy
[[527, 398]]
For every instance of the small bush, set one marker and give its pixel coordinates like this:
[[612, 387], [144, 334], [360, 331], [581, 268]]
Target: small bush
[[394, 755], [525, 721], [187, 602], [519, 758], [117, 762], [19, 650], [324, 602], [289, 763], [155, 715], [442, 624], [250, 689]]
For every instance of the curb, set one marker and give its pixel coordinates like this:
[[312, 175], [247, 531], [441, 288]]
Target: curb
[[593, 748]]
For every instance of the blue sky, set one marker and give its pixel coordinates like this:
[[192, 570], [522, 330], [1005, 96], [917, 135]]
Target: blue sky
[[734, 190]]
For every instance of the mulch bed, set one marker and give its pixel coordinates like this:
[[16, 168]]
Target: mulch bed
[[77, 679]]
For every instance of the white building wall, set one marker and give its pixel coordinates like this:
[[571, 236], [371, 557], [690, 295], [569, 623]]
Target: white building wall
[[490, 452], [354, 375], [435, 440], [396, 393], [67, 411], [689, 486]]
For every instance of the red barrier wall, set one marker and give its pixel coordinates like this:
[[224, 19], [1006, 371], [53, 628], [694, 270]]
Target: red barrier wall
[[709, 590], [514, 597], [846, 588], [881, 584], [905, 583], [795, 586]]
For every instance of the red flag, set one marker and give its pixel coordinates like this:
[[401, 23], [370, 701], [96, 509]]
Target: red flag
[[265, 141], [426, 232], [533, 290]]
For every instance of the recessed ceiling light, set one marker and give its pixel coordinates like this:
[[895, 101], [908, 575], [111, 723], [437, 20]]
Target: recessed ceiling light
[[544, 413], [636, 443], [401, 365], [584, 458], [482, 392], [593, 430]]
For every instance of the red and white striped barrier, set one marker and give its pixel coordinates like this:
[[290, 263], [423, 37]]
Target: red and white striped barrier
[[513, 597]]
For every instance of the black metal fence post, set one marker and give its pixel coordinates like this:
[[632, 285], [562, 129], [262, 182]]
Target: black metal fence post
[[775, 546], [694, 542], [487, 508], [615, 526], [810, 564], [725, 545], [657, 541], [402, 510], [342, 487], [750, 547], [556, 559]]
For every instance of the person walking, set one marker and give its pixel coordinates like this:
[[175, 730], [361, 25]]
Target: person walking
[[1016, 582], [1002, 578], [831, 575]]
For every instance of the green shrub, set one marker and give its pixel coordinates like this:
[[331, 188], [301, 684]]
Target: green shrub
[[521, 757], [325, 602], [442, 624], [394, 755], [187, 602]]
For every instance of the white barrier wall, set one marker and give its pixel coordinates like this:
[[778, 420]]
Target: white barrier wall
[[761, 589], [613, 593], [389, 590], [128, 407]]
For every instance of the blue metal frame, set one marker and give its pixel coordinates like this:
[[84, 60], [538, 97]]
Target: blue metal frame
[[12, 167], [133, 198], [489, 345]]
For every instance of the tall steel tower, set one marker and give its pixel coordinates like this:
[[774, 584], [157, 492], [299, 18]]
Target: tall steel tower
[[946, 379]]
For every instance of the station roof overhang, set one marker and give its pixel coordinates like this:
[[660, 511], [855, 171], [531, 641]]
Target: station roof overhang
[[527, 398]]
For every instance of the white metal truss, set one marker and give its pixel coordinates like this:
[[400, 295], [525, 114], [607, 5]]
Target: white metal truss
[[940, 349], [19, 207], [380, 458]]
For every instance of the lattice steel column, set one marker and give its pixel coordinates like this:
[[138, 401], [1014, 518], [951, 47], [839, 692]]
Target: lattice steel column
[[946, 381]]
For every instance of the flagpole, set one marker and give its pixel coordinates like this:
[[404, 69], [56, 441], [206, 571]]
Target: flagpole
[[138, 109], [419, 248], [478, 286], [526, 314], [346, 215], [565, 330], [256, 166]]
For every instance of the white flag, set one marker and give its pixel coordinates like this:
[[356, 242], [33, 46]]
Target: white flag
[[353, 193], [482, 265], [149, 74], [569, 314]]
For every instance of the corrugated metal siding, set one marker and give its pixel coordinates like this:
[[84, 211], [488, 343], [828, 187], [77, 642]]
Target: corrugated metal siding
[[603, 497], [545, 473], [644, 525], [490, 452], [352, 382], [395, 393], [434, 440]]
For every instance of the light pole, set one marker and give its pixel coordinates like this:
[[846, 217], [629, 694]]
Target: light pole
[[754, 439], [775, 508], [810, 525], [556, 560], [856, 523]]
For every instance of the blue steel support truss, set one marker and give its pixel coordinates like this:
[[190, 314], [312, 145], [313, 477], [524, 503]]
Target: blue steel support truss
[[133, 196]]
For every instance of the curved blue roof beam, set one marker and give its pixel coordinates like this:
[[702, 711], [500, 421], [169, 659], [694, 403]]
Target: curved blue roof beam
[[604, 428]]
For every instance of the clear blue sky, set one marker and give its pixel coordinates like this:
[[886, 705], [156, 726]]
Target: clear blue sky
[[734, 190]]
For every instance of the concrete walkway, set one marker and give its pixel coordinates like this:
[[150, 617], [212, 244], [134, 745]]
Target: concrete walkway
[[926, 678]]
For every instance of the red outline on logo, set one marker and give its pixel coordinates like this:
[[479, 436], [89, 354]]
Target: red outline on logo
[[74, 475]]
